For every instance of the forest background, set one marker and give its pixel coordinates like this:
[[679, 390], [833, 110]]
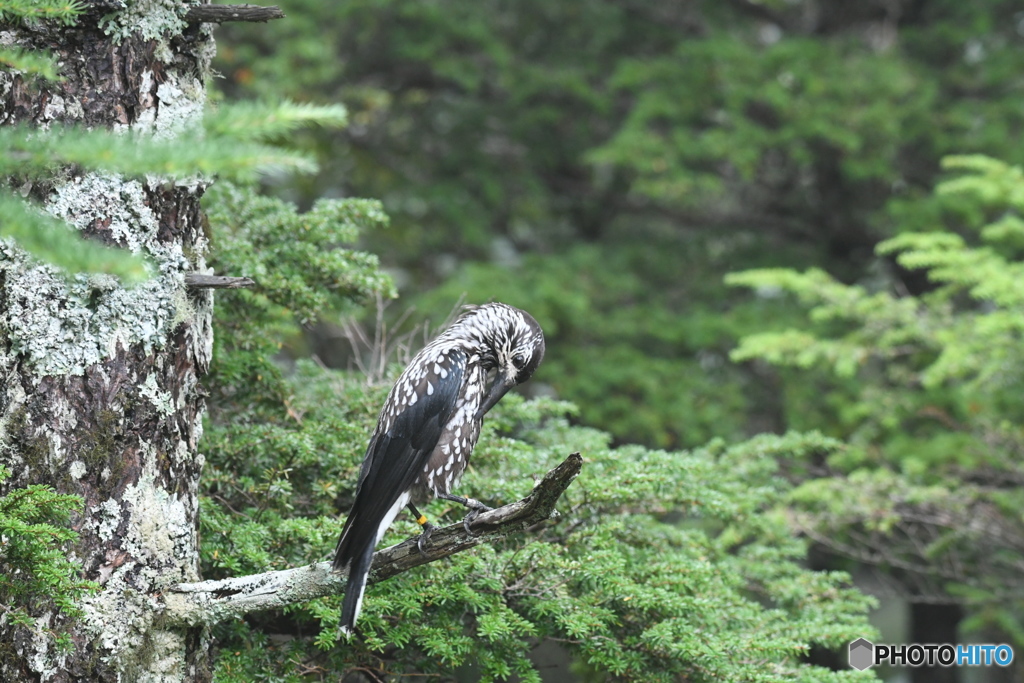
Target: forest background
[[612, 166], [788, 217]]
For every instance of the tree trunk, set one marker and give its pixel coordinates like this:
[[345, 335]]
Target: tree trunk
[[99, 385]]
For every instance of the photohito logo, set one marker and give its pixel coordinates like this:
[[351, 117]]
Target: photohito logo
[[864, 653]]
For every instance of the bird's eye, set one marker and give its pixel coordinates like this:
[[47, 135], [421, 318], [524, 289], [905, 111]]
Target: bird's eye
[[518, 361]]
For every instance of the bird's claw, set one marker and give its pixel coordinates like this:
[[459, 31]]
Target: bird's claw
[[475, 508], [424, 539]]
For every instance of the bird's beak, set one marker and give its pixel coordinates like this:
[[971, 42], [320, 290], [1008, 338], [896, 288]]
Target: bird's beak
[[500, 387]]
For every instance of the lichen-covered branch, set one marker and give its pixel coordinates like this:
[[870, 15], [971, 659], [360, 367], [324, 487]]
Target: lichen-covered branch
[[208, 602]]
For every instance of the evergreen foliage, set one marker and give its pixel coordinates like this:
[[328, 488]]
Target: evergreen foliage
[[64, 11], [31, 63], [34, 566], [722, 597], [928, 394], [16, 59], [234, 143], [625, 586]]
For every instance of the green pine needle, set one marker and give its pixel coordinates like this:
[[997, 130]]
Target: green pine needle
[[261, 121], [26, 152], [35, 63], [65, 11], [54, 242]]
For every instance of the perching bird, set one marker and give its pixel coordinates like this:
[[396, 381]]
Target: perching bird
[[428, 427]]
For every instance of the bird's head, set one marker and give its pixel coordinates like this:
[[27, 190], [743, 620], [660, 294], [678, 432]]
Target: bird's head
[[513, 346]]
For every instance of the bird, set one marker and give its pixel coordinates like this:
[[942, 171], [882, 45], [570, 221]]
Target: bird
[[427, 430]]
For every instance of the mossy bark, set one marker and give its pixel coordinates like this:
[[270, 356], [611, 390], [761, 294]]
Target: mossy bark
[[100, 390]]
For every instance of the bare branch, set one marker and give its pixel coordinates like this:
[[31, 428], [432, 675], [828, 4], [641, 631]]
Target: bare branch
[[203, 281], [218, 14], [208, 602]]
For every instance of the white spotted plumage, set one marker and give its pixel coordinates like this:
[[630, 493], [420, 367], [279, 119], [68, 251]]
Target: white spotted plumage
[[430, 424]]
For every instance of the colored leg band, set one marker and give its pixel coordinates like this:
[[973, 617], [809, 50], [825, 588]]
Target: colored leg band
[[422, 520]]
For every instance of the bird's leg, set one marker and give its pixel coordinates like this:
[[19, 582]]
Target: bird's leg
[[474, 505], [428, 529]]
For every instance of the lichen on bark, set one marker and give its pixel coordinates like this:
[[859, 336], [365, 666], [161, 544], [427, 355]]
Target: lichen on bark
[[100, 384], [59, 326], [150, 19]]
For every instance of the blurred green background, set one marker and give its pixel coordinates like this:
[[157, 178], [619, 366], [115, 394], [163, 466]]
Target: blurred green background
[[604, 164]]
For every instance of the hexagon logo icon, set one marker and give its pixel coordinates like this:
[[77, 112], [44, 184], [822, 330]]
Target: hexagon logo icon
[[862, 654]]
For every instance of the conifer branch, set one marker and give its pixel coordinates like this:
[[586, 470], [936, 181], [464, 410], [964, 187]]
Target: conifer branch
[[209, 602], [29, 154], [218, 14]]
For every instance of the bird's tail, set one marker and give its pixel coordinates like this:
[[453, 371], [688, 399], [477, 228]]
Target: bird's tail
[[355, 551], [358, 570], [343, 551]]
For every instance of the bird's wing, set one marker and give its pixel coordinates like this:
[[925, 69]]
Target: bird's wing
[[400, 447]]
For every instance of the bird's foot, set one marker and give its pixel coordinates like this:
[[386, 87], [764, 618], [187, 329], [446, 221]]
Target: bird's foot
[[423, 542], [475, 508], [474, 505]]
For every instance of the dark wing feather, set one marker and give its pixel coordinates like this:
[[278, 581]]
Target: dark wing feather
[[395, 457]]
